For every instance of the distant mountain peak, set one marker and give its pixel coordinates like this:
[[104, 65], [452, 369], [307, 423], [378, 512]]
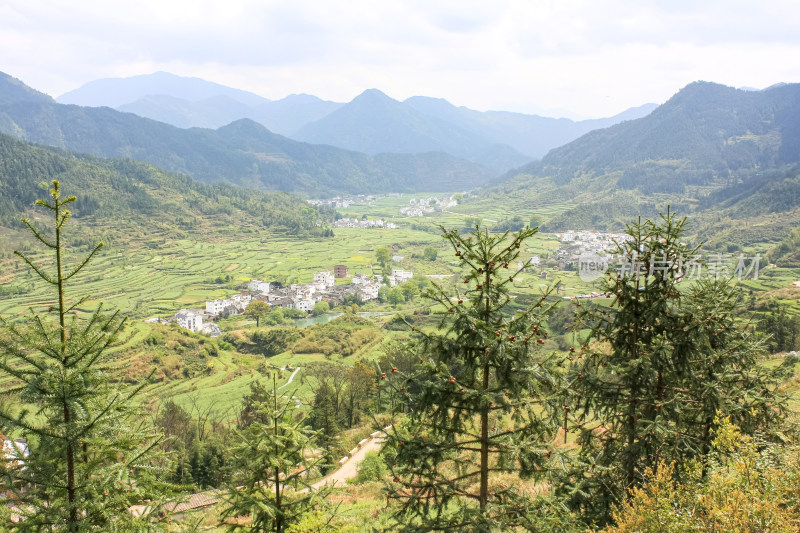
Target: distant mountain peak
[[775, 86], [115, 92], [374, 95], [244, 126], [13, 90]]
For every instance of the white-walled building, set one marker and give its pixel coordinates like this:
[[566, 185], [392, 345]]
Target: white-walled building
[[241, 300], [400, 276], [190, 319], [324, 278], [304, 305], [369, 291], [257, 285], [215, 307]]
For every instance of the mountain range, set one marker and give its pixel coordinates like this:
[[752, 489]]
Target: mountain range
[[371, 123], [725, 155], [126, 196], [728, 157], [242, 153]]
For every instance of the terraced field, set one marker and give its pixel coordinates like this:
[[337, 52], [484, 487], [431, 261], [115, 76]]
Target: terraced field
[[156, 277]]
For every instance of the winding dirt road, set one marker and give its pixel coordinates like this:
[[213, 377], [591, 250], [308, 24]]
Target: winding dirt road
[[350, 469]]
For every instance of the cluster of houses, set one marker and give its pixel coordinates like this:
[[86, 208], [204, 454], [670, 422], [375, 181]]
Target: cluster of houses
[[193, 319], [363, 224], [577, 243], [295, 296], [423, 206], [343, 201]]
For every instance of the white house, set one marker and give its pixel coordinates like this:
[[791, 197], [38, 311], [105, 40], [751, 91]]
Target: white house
[[215, 307], [189, 319], [400, 276], [369, 291], [241, 300], [304, 305], [324, 278], [256, 285], [361, 279]]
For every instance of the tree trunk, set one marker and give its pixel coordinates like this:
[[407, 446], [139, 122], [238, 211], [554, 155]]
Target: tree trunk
[[484, 491], [73, 510]]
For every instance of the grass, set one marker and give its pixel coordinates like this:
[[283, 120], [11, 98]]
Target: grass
[[154, 276]]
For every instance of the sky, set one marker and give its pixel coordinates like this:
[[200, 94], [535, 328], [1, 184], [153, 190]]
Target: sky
[[576, 58]]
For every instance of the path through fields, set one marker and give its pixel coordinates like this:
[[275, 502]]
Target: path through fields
[[296, 370], [349, 470]]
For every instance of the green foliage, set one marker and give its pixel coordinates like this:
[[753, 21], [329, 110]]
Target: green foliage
[[198, 444], [430, 253], [348, 391], [276, 317], [383, 256], [656, 367], [270, 464], [749, 485], [479, 404], [121, 191], [409, 290], [324, 417], [320, 308], [169, 353], [92, 453], [391, 295], [257, 309], [782, 329], [317, 522], [787, 252], [514, 223], [372, 468], [344, 335], [269, 342]]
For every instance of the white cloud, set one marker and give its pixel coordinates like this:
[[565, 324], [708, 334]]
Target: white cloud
[[596, 58]]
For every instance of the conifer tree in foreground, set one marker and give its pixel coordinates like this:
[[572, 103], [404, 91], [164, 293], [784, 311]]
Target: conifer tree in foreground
[[656, 368], [482, 403], [272, 464], [91, 454]]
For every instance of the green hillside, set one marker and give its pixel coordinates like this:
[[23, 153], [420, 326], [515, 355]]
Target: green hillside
[[242, 153], [122, 195], [730, 158]]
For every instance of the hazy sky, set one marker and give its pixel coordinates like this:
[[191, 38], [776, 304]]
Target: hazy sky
[[591, 57]]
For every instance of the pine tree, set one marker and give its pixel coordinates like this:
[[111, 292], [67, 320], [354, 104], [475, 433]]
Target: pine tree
[[656, 367], [725, 375], [481, 402], [271, 466], [91, 451]]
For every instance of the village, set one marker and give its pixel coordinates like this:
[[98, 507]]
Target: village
[[363, 223], [426, 206], [302, 297], [577, 243]]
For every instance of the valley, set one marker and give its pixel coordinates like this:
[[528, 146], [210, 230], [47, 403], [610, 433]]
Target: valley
[[241, 203]]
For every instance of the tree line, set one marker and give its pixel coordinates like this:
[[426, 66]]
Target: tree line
[[664, 390]]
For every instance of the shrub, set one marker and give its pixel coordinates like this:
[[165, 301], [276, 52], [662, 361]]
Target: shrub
[[372, 468]]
